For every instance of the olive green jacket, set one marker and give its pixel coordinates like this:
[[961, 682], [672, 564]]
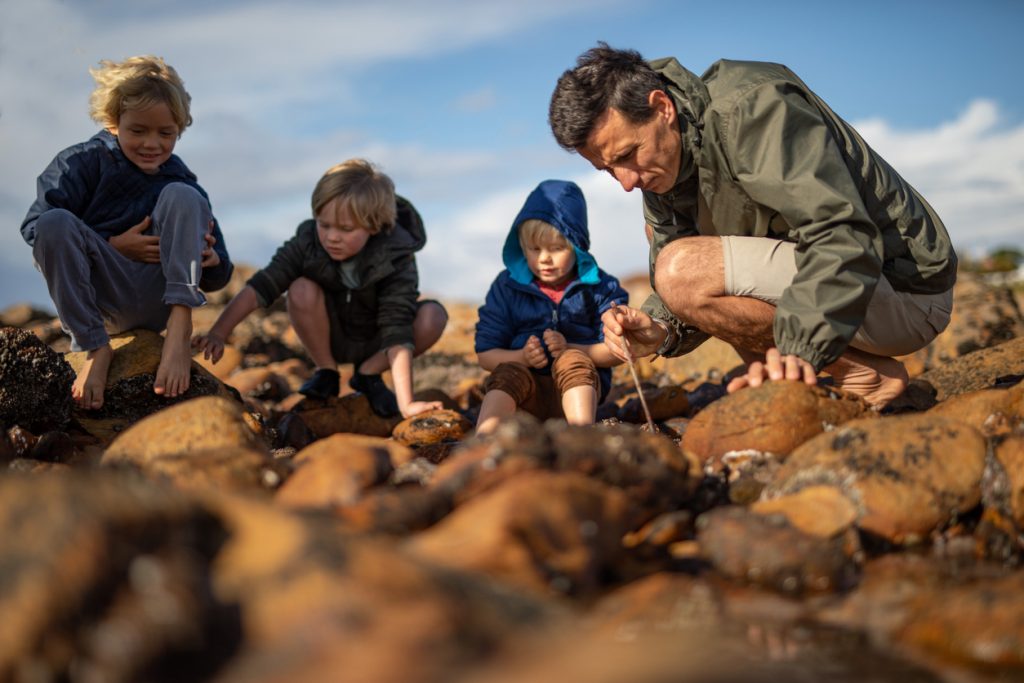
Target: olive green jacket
[[764, 156]]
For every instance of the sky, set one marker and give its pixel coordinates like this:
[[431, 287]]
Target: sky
[[450, 98]]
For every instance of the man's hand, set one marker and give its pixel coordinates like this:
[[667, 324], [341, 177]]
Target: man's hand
[[533, 353], [211, 344], [775, 367], [209, 256], [134, 245], [622, 322], [555, 341]]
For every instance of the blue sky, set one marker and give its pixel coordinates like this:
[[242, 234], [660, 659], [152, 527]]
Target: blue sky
[[450, 98]]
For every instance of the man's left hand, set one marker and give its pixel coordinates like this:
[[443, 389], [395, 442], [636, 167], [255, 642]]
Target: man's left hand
[[775, 367]]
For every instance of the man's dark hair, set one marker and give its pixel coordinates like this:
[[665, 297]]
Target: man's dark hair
[[603, 78]]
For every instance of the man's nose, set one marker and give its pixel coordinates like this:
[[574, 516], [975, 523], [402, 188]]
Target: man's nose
[[627, 178]]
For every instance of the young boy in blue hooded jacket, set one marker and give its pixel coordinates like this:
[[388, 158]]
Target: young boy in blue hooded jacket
[[539, 330]]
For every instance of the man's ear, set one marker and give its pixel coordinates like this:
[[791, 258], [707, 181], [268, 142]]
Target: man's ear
[[662, 105]]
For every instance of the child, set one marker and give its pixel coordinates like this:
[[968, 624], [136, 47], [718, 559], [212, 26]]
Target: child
[[352, 290], [539, 330], [121, 230]]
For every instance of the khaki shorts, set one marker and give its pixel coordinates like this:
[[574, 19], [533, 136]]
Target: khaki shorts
[[896, 323]]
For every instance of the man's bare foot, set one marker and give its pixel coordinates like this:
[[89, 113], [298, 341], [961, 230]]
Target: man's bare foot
[[173, 374], [877, 379], [88, 387]]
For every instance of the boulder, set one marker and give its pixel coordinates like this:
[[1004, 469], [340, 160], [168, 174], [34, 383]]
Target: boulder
[[432, 427], [993, 412], [336, 471], [350, 413], [982, 369], [664, 403], [908, 475], [773, 418]]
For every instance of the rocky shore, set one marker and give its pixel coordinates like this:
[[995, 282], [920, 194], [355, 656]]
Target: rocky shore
[[245, 533]]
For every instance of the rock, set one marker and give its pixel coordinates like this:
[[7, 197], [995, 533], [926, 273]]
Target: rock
[[205, 424], [1009, 496], [262, 383], [233, 469], [768, 550], [432, 427], [548, 532], [23, 315], [663, 402], [822, 511], [350, 413], [222, 369], [982, 369], [129, 396], [907, 474], [395, 512], [35, 383], [993, 412], [108, 580], [774, 418], [336, 471]]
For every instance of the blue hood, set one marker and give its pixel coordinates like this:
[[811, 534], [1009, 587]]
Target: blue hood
[[560, 203]]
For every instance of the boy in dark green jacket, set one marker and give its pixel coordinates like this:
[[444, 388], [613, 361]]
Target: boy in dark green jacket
[[353, 288]]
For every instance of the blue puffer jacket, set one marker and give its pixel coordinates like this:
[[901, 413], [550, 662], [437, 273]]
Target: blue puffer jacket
[[515, 307], [96, 182]]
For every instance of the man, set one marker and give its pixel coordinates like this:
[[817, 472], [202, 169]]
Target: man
[[772, 225]]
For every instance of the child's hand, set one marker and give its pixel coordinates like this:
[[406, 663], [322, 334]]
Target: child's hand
[[533, 353], [134, 245], [211, 344], [417, 407], [210, 258], [555, 342]]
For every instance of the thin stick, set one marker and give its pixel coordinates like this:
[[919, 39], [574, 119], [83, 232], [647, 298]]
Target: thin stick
[[636, 381]]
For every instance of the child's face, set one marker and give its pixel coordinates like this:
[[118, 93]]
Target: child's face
[[147, 136], [551, 262], [339, 232]]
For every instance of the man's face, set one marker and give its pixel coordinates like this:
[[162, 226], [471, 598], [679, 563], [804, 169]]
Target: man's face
[[644, 155]]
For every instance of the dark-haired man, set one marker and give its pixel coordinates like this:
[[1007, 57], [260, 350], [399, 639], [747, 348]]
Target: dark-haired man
[[772, 225]]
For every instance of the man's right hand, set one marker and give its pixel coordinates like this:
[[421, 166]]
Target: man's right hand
[[625, 323], [134, 245]]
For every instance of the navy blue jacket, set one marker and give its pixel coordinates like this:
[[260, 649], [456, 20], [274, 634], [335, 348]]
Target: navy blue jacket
[[516, 308], [96, 182]]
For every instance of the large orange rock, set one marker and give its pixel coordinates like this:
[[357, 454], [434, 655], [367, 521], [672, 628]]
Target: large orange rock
[[336, 471], [548, 532], [431, 427], [208, 423], [1010, 458], [979, 369], [350, 413], [993, 412], [773, 418], [907, 474]]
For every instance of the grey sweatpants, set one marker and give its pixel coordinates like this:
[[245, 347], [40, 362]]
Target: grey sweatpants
[[99, 292]]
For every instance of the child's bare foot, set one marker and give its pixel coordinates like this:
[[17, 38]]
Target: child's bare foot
[[877, 379], [88, 387], [173, 374]]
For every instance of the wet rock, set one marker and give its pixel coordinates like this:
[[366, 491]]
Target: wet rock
[[993, 412], [773, 418], [350, 413], [982, 369], [907, 474], [768, 550], [108, 580], [317, 604], [35, 383], [432, 427], [204, 424], [336, 471], [548, 532], [663, 402]]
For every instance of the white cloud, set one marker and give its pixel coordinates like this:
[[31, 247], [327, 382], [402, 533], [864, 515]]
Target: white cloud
[[478, 100]]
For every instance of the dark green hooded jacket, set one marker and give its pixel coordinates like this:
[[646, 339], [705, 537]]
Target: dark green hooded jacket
[[770, 159]]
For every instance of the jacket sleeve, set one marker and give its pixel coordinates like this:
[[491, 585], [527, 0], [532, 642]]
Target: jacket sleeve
[[216, 277], [668, 224], [396, 304], [785, 157], [284, 268], [68, 182], [492, 329]]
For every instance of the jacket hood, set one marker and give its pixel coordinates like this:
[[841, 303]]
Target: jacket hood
[[692, 99], [561, 204]]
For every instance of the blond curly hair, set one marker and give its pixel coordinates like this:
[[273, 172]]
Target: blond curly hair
[[137, 83]]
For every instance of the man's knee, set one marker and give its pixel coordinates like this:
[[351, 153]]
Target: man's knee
[[689, 273]]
